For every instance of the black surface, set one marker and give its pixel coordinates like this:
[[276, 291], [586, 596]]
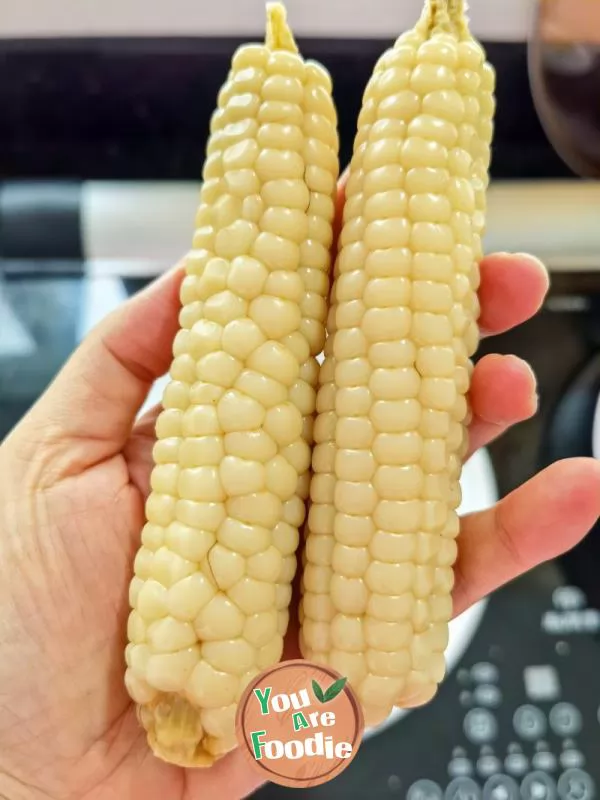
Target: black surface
[[139, 108]]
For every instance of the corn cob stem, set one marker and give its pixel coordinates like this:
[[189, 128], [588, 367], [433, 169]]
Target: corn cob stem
[[279, 36], [445, 16], [437, 15], [458, 10]]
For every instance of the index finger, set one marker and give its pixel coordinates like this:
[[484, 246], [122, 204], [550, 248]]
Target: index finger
[[512, 290]]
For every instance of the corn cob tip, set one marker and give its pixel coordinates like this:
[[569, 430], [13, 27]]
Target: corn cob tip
[[279, 35]]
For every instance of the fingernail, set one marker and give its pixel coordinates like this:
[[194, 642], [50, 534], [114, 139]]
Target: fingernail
[[537, 262], [523, 365], [526, 368]]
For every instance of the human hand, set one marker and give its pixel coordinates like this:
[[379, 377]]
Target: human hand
[[75, 476]]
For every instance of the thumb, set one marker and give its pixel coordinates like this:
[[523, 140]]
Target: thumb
[[86, 414]]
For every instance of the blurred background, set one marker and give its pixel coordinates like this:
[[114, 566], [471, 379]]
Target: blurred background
[[103, 122]]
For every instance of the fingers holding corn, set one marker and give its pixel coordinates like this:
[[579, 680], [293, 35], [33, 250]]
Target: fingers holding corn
[[213, 577]]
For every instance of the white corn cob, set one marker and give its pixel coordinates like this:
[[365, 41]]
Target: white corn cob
[[390, 434], [213, 576]]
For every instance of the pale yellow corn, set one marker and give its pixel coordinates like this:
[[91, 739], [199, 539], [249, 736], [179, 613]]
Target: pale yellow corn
[[390, 435], [213, 576]]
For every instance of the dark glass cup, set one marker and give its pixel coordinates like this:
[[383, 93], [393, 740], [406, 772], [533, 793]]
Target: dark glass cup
[[564, 69]]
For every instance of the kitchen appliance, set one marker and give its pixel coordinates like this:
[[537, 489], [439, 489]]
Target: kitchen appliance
[[100, 195]]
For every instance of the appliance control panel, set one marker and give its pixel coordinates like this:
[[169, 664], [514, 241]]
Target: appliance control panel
[[518, 719]]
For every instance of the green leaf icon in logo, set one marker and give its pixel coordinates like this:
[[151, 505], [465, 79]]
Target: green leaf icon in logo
[[331, 693], [318, 692], [335, 689]]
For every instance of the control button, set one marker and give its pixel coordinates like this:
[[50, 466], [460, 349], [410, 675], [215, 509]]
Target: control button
[[568, 598], [552, 623], [544, 761], [460, 768], [488, 765], [591, 620], [465, 699], [463, 676], [480, 726], [541, 683], [558, 623], [575, 784], [488, 695], [565, 719], [501, 787], [538, 786], [516, 764], [424, 790], [529, 723], [462, 789], [572, 759], [394, 783], [484, 672]]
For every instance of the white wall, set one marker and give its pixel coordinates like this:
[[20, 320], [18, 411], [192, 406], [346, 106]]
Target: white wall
[[491, 19]]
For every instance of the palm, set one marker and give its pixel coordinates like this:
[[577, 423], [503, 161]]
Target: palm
[[91, 744], [87, 734]]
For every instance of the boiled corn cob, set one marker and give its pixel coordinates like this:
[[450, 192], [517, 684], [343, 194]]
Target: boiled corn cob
[[213, 576], [390, 434]]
